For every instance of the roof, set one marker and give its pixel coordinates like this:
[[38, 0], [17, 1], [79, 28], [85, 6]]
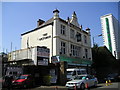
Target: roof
[[47, 22], [50, 22], [107, 15]]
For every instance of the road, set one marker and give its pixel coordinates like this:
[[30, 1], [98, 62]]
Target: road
[[103, 86], [113, 86]]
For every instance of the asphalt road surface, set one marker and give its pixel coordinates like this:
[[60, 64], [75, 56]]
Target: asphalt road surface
[[103, 86]]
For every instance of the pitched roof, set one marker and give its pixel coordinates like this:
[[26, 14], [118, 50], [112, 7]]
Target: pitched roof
[[47, 22], [50, 22]]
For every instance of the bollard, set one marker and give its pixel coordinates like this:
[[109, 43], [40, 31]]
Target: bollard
[[75, 88], [110, 82], [106, 83], [86, 85]]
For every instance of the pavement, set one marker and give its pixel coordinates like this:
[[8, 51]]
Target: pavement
[[50, 88], [101, 86]]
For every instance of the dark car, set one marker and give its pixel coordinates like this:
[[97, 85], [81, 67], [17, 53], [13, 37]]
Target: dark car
[[23, 81], [113, 77]]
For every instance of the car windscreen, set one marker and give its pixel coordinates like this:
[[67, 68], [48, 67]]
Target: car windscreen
[[23, 77], [79, 77], [69, 72]]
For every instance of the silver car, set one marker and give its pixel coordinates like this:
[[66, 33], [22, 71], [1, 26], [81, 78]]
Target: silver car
[[82, 82]]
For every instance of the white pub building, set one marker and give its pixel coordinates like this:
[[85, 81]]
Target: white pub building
[[66, 39]]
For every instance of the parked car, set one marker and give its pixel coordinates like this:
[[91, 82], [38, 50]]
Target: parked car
[[113, 77], [81, 81], [23, 81]]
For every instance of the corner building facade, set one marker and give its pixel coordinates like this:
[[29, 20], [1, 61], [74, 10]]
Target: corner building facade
[[64, 38]]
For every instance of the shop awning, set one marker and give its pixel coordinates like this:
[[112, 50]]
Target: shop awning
[[75, 60]]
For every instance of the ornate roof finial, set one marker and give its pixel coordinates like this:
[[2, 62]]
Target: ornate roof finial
[[56, 10], [74, 13], [68, 18], [81, 27]]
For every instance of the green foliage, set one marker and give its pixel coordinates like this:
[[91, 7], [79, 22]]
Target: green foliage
[[102, 57], [47, 79], [103, 61]]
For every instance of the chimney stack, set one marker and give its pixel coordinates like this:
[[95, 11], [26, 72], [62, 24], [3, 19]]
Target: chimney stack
[[40, 22], [87, 30], [56, 14]]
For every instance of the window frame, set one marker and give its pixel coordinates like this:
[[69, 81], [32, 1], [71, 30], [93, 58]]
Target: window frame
[[79, 37], [72, 34], [85, 39], [63, 47], [63, 29], [75, 50], [86, 53]]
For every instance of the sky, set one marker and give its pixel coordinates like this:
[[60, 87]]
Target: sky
[[20, 17]]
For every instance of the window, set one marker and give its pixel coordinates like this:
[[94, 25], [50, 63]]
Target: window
[[75, 50], [10, 73], [72, 33], [72, 50], [14, 73], [74, 73], [79, 38], [86, 53], [63, 29], [63, 49], [79, 72], [85, 39], [78, 51]]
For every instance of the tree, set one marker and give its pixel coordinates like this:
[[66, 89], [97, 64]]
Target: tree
[[103, 61]]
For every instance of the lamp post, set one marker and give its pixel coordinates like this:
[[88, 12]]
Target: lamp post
[[94, 38]]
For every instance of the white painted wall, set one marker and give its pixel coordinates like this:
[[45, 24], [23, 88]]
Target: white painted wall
[[57, 38], [35, 36]]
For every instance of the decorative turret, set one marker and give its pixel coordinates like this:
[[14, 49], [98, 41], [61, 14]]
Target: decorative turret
[[56, 13], [74, 19], [74, 15]]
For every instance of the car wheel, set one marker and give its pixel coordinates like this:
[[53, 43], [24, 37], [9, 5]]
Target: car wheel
[[95, 84], [82, 86], [33, 84]]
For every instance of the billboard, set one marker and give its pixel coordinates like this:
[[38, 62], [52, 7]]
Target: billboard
[[42, 55], [43, 52]]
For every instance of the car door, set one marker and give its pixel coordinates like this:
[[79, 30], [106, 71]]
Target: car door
[[92, 80], [87, 81]]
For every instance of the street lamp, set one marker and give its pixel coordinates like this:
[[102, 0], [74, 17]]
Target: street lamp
[[94, 38]]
